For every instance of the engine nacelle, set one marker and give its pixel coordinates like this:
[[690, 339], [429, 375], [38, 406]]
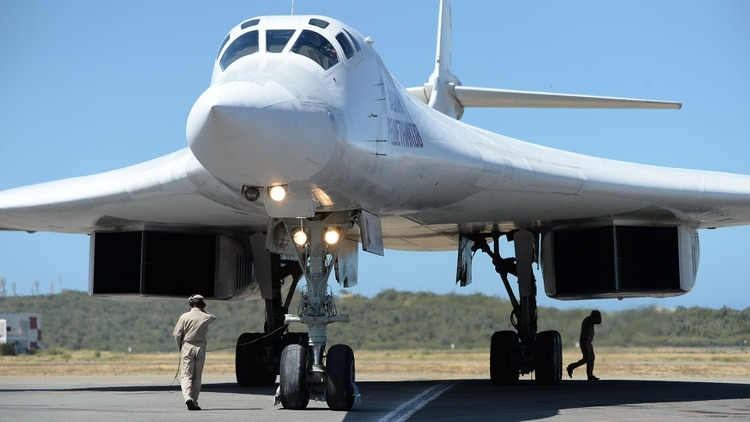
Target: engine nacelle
[[166, 264], [617, 261]]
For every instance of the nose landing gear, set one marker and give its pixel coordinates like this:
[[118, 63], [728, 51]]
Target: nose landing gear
[[307, 371]]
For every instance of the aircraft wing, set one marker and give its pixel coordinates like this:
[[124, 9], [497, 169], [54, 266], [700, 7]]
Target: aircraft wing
[[173, 190], [176, 191]]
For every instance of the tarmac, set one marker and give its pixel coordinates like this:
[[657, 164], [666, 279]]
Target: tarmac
[[155, 398]]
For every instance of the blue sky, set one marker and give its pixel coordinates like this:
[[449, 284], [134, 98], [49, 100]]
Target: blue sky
[[88, 86]]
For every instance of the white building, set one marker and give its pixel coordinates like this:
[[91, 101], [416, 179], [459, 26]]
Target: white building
[[23, 330]]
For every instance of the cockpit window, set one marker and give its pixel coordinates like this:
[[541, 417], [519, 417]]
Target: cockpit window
[[345, 44], [354, 40], [248, 24], [320, 23], [314, 46], [276, 39], [223, 43], [244, 45]]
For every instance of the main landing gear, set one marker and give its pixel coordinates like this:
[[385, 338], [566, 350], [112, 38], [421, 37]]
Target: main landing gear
[[258, 355], [513, 353]]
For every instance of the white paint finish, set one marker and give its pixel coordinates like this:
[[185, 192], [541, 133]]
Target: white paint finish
[[349, 134]]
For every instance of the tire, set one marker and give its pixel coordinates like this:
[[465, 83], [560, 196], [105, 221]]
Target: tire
[[503, 370], [293, 377], [294, 338], [340, 377], [243, 366], [548, 358], [252, 365]]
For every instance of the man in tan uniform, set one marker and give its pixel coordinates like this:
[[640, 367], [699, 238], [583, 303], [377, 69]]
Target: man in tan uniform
[[190, 335]]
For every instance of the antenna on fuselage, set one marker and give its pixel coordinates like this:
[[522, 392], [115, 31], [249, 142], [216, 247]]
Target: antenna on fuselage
[[292, 7]]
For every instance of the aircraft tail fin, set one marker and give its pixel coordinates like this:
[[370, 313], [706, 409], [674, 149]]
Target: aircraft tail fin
[[438, 91], [444, 91]]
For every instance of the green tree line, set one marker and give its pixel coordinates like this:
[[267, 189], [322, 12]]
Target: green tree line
[[393, 319]]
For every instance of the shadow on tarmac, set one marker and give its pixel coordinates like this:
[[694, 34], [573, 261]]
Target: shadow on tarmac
[[578, 393], [471, 400]]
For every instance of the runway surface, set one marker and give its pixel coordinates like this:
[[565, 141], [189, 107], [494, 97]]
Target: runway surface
[[147, 398]]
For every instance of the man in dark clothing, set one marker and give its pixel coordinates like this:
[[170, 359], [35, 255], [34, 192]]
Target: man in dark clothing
[[587, 348]]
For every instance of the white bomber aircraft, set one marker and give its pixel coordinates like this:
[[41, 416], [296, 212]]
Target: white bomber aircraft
[[304, 146]]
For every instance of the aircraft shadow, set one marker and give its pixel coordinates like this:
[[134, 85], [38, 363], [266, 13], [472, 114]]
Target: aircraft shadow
[[477, 399], [471, 400]]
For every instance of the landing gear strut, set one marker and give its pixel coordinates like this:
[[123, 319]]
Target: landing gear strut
[[513, 353]]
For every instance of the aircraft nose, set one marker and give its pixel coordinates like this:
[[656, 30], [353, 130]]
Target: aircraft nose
[[260, 134]]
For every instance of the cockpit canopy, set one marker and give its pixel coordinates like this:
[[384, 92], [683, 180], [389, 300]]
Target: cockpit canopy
[[306, 41]]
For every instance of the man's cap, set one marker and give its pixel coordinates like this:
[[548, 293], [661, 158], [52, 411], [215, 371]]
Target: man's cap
[[196, 298]]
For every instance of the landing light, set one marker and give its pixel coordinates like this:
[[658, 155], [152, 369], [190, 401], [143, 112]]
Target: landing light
[[332, 236], [251, 193], [300, 238], [277, 193]]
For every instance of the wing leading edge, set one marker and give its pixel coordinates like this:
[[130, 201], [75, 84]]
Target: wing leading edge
[[173, 190]]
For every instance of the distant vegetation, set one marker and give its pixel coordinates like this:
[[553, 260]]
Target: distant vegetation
[[392, 320]]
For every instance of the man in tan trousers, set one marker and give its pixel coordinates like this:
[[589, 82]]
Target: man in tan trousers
[[190, 334]]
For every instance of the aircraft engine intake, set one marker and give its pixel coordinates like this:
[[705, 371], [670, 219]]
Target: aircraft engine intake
[[163, 264], [617, 261]]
